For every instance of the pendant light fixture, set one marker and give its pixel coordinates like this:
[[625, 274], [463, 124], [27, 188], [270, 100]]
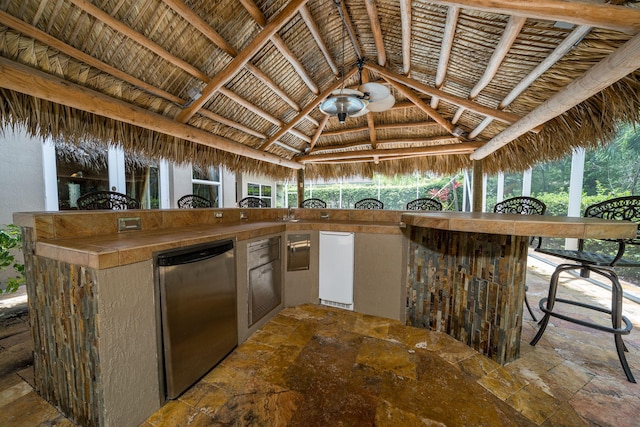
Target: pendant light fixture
[[343, 102]]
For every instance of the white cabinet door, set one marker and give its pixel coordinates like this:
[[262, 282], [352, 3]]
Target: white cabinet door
[[336, 269]]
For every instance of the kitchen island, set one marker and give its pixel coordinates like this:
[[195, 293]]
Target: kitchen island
[[92, 294]]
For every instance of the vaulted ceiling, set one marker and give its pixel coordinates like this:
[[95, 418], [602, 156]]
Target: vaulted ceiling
[[239, 83]]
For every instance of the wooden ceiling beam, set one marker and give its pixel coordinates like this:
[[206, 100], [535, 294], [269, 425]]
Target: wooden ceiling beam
[[315, 32], [558, 53], [190, 16], [306, 110], [385, 142], [38, 84], [107, 19], [445, 50], [612, 17], [381, 126], [344, 13], [242, 58], [374, 20], [503, 116], [259, 17], [614, 67], [405, 22], [36, 34], [421, 104], [511, 32], [319, 131], [249, 106], [434, 150]]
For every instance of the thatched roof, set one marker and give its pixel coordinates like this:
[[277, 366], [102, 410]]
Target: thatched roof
[[515, 82]]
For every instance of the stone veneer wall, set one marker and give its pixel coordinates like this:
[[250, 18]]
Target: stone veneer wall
[[475, 303], [62, 314]]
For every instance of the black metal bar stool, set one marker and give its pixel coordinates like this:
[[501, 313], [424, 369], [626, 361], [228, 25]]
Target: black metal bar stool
[[621, 208]]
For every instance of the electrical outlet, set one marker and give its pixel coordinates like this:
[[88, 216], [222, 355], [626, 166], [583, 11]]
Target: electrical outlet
[[128, 224], [244, 215], [217, 214]]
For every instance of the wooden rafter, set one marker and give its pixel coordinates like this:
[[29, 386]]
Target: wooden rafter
[[380, 126], [36, 34], [563, 48], [318, 133], [183, 10], [503, 116], [315, 32], [258, 16], [374, 20], [23, 79], [344, 13], [242, 58], [616, 66], [421, 104], [405, 21], [461, 148], [445, 50], [612, 17], [417, 141], [306, 110], [511, 32]]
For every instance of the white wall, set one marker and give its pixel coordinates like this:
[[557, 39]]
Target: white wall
[[228, 189], [21, 176], [181, 185], [243, 179]]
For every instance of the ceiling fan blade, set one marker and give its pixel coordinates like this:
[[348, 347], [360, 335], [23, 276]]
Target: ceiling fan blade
[[376, 91], [382, 105], [362, 112]]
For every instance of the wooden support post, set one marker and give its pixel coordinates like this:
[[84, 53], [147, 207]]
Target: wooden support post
[[300, 187], [477, 187]]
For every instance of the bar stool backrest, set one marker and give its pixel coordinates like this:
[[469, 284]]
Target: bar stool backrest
[[252, 202], [424, 204], [314, 203], [622, 209], [369, 203], [523, 205], [107, 200], [194, 201]]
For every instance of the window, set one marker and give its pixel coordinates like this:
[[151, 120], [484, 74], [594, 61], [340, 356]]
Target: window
[[80, 169], [260, 191], [142, 181], [207, 183]]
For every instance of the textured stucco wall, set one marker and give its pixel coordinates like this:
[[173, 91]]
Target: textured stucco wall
[[128, 344], [22, 188], [302, 287]]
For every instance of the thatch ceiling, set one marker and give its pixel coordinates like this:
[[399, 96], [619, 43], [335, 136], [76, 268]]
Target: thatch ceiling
[[509, 82]]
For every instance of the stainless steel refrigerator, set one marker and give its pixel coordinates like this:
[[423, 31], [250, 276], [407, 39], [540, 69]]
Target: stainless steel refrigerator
[[198, 311]]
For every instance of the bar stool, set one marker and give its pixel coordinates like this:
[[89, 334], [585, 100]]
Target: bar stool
[[621, 208]]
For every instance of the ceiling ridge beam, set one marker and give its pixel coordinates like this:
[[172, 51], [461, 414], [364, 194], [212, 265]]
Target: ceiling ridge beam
[[508, 38], [315, 32], [306, 110], [558, 53], [38, 84], [614, 67], [241, 59], [381, 126], [461, 148], [190, 16], [36, 34], [609, 16], [374, 20], [503, 116], [277, 41]]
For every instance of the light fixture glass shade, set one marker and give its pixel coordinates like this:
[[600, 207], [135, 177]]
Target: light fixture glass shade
[[342, 105]]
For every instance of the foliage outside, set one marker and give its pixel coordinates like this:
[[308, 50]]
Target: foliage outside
[[11, 239]]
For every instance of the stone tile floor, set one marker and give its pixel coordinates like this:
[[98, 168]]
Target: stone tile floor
[[313, 365]]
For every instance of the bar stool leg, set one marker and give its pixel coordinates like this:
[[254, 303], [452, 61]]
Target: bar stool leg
[[549, 301], [526, 301]]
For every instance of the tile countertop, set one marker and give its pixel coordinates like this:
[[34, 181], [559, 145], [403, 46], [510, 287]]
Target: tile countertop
[[113, 250], [523, 225]]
